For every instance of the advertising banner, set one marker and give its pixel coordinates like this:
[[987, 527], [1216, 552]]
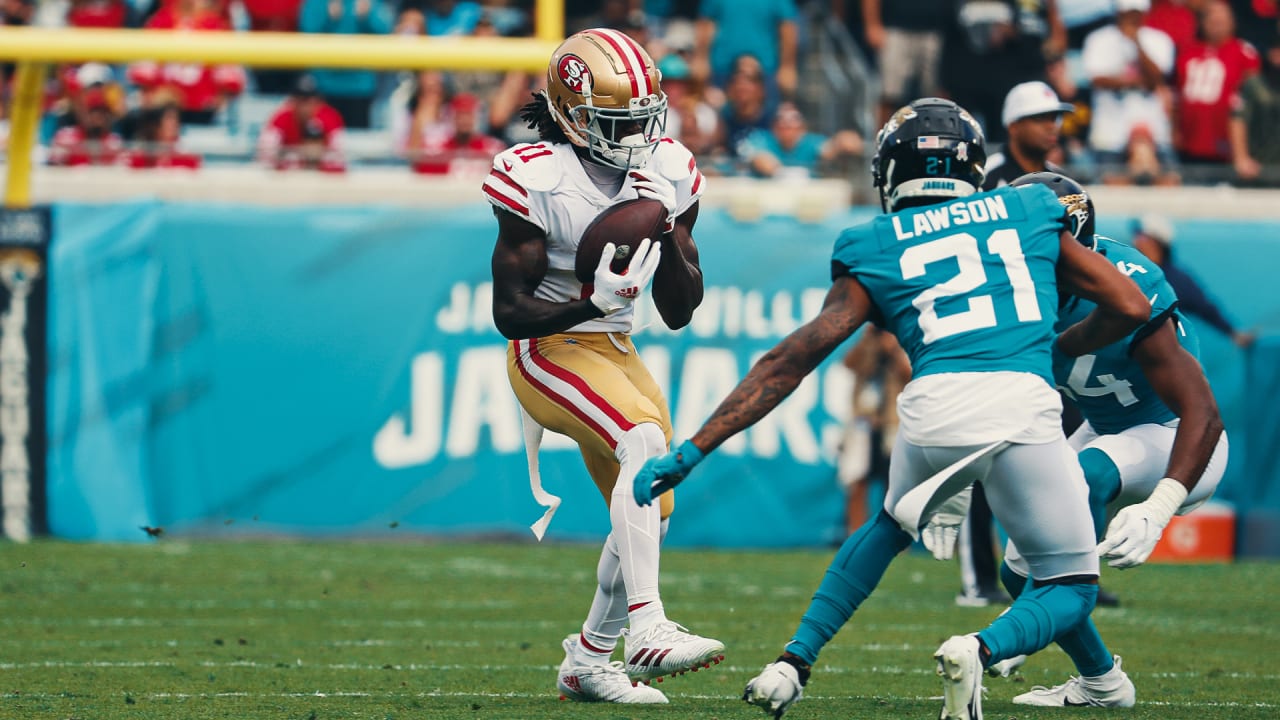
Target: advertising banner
[[335, 371]]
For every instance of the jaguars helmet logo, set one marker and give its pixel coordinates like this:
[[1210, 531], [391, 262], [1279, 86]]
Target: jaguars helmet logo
[[1077, 206], [903, 114]]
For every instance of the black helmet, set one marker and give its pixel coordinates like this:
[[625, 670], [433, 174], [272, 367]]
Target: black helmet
[[930, 150], [1073, 197]]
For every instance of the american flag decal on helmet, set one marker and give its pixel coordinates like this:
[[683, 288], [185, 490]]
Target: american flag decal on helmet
[[928, 142]]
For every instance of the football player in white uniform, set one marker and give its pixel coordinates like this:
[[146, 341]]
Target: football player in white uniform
[[571, 361]]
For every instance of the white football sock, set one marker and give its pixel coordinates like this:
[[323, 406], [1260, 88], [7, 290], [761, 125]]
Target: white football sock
[[1107, 681], [608, 613], [636, 529]]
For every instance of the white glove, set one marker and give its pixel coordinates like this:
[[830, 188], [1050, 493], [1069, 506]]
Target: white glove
[[613, 292], [660, 189], [943, 529], [776, 688], [1136, 529]]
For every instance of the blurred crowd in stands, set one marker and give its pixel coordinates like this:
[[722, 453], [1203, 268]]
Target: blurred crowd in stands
[[1151, 91]]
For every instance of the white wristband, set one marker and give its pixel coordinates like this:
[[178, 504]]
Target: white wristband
[[1167, 497]]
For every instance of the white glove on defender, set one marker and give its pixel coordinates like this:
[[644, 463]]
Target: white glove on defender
[[943, 529], [1136, 529], [613, 292], [775, 688], [660, 189]]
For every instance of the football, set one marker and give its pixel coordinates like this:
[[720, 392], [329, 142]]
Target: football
[[624, 225]]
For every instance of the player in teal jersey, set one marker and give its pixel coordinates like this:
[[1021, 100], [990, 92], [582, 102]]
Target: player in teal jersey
[[968, 282], [1152, 444]]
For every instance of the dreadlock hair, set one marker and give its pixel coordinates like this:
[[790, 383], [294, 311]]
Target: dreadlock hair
[[537, 115]]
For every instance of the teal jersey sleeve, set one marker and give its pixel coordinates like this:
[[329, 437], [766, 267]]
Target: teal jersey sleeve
[[967, 285], [1109, 386]]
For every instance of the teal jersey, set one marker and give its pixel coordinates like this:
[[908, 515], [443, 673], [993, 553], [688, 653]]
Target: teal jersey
[[1109, 386], [968, 285]]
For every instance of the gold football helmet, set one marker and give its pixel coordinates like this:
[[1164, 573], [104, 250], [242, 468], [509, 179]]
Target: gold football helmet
[[602, 90]]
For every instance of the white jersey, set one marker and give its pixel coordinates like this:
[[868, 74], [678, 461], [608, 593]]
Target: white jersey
[[546, 184]]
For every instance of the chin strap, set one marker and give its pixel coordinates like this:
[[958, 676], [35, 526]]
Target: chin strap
[[533, 441]]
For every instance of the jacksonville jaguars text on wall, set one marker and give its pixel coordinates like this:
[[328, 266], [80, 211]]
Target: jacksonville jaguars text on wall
[[459, 401]]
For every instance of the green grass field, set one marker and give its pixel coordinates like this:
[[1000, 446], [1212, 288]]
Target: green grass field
[[317, 631]]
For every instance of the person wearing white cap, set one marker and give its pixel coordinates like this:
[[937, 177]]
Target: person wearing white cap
[[1128, 66], [1032, 115]]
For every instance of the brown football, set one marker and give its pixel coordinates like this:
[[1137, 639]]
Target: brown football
[[624, 225]]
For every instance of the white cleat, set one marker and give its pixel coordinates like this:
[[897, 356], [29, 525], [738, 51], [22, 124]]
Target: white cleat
[[1007, 667], [668, 649], [1075, 693], [960, 667], [600, 683], [775, 688]]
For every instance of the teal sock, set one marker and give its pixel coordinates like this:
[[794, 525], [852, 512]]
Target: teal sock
[[853, 574], [1012, 581], [1104, 485], [1036, 618], [1084, 646]]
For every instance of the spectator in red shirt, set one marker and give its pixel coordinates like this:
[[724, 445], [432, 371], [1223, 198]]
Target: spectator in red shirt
[[167, 9], [91, 140], [425, 121], [202, 90], [305, 133], [97, 13], [1179, 19], [273, 15], [65, 105], [466, 149], [1209, 73], [156, 142]]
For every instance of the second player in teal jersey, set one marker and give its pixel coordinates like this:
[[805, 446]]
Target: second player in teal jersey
[[1152, 444], [969, 283]]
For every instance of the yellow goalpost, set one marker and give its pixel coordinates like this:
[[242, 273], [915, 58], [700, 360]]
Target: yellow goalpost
[[34, 49]]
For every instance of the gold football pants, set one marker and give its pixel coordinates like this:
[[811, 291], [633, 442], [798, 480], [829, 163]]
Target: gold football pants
[[593, 388]]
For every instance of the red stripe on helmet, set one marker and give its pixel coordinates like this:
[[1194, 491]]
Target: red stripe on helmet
[[627, 63]]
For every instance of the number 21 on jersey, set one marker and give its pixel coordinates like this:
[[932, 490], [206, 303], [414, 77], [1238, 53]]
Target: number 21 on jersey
[[980, 312]]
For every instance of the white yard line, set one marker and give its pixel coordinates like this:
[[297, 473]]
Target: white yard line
[[525, 695]]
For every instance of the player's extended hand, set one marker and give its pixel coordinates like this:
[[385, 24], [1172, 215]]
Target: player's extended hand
[[662, 473], [943, 529], [614, 292], [1135, 530], [660, 189]]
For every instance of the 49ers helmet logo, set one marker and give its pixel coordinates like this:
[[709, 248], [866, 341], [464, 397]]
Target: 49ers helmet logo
[[574, 73]]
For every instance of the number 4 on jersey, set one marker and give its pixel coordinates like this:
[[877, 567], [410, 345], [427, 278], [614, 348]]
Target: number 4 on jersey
[[1078, 383]]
